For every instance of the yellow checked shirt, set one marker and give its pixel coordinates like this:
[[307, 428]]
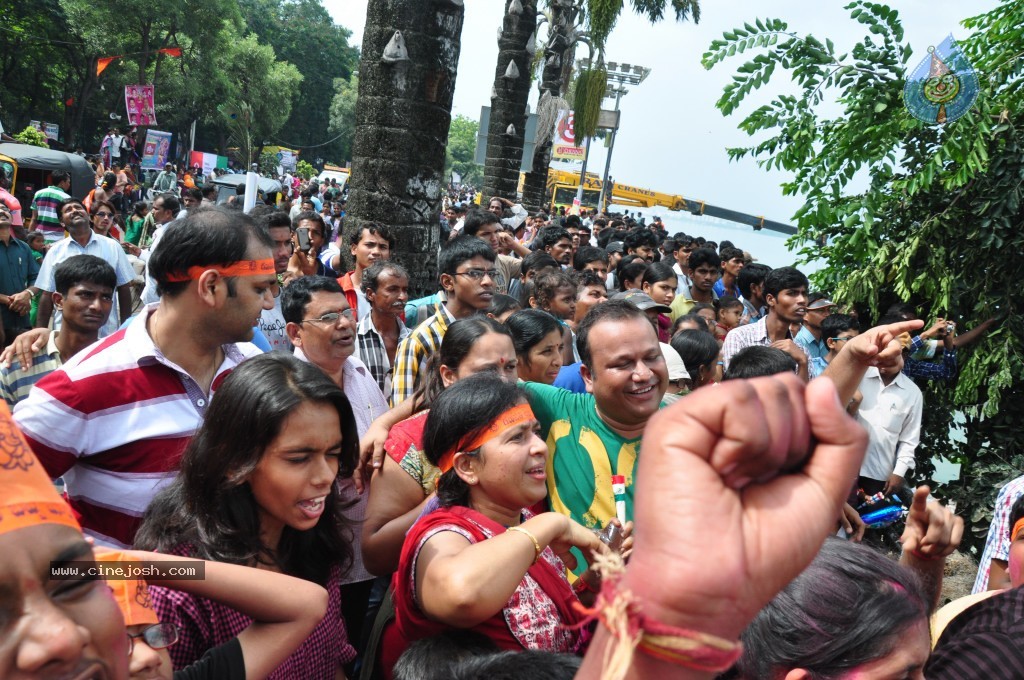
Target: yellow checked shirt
[[410, 358]]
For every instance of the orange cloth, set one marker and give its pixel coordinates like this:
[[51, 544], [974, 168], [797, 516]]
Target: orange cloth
[[131, 595], [509, 419], [27, 496], [240, 268]]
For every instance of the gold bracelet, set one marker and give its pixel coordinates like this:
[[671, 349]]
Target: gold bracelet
[[536, 543]]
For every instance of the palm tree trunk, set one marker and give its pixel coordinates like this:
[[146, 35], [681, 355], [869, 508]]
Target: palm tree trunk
[[402, 119], [508, 103], [558, 57]]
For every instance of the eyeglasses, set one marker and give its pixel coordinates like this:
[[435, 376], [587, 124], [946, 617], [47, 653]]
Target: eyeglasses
[[332, 317], [157, 636], [104, 214], [840, 339], [479, 274]]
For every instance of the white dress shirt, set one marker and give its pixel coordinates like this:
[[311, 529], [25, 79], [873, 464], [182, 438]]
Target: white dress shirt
[[892, 416]]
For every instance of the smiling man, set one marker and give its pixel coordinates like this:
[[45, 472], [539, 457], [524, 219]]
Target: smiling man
[[594, 436], [785, 293]]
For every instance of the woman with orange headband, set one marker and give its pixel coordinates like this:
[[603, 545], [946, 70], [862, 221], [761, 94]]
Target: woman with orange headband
[[481, 560], [401, 489]]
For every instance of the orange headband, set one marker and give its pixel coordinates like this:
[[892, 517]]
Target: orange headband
[[132, 595], [516, 415], [1017, 529], [240, 268], [27, 496]]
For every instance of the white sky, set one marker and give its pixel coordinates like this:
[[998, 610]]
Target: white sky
[[672, 138]]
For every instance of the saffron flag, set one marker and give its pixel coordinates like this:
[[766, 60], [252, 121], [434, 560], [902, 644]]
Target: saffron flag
[[102, 63]]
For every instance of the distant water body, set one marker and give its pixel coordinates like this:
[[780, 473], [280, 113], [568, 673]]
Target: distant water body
[[767, 246]]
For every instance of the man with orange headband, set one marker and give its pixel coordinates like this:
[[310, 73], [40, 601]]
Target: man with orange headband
[[114, 420]]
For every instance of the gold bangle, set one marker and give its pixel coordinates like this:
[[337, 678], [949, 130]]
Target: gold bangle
[[536, 543]]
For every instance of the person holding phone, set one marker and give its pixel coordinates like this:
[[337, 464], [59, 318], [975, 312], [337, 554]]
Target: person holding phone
[[311, 235]]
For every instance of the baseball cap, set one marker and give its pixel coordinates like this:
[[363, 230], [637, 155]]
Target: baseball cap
[[614, 247], [821, 303], [641, 301], [676, 366]]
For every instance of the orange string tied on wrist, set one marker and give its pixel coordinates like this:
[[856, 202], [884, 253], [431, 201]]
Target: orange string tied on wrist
[[241, 268], [623, 616], [516, 415]]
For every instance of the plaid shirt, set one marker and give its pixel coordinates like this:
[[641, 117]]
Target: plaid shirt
[[371, 350], [930, 370], [413, 351], [752, 334], [997, 544]]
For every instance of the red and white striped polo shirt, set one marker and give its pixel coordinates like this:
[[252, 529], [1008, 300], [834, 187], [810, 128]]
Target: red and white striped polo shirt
[[113, 421]]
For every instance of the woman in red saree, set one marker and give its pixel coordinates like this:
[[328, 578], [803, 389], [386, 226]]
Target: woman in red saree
[[480, 560]]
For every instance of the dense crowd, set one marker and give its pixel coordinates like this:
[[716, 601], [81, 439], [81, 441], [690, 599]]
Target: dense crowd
[[597, 450]]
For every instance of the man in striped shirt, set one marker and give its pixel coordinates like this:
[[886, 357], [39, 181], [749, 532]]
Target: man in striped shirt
[[45, 204], [114, 420], [85, 293]]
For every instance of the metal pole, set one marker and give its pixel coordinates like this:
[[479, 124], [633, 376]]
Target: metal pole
[[583, 172], [192, 137], [608, 159]]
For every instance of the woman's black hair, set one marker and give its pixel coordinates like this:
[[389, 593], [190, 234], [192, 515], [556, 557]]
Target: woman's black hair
[[500, 304], [630, 267], [848, 608], [457, 343], [697, 349], [109, 180], [659, 271], [210, 506], [139, 207], [458, 415], [528, 328]]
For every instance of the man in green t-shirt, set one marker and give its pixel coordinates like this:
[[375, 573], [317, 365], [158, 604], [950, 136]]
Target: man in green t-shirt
[[596, 435]]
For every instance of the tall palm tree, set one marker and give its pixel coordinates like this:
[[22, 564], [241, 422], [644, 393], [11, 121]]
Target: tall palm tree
[[509, 97], [558, 56], [407, 75], [563, 35]]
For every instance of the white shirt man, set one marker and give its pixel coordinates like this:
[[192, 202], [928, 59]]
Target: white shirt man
[[891, 413]]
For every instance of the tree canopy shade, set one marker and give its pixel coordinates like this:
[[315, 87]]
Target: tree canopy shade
[[459, 156], [901, 210], [62, 40]]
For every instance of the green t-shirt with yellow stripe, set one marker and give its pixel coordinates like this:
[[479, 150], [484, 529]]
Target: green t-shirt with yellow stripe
[[583, 454]]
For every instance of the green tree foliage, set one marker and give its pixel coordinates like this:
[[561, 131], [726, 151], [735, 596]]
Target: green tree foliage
[[602, 14], [908, 211], [61, 40], [343, 116], [461, 149], [303, 34]]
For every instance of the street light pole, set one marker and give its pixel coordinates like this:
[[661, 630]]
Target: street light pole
[[619, 91], [619, 76]]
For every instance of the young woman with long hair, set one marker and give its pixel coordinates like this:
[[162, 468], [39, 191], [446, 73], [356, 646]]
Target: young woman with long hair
[[258, 487]]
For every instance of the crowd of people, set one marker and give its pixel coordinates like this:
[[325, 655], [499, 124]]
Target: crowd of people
[[597, 450]]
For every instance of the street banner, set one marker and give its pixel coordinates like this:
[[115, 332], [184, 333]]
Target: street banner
[[156, 150], [563, 146], [138, 100]]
